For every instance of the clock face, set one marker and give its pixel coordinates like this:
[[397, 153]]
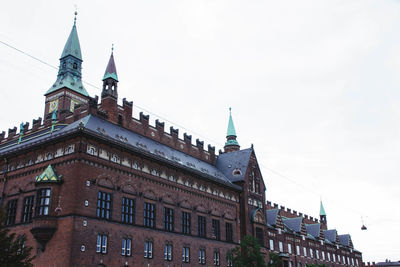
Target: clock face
[[53, 105]]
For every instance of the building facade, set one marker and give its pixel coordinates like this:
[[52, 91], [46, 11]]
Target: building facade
[[89, 185]]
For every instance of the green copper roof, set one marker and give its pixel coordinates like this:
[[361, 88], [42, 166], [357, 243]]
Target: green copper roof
[[231, 128], [69, 73], [72, 47], [49, 175], [322, 210], [231, 133], [72, 82]]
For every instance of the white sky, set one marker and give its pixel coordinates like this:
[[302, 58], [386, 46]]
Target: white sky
[[312, 84]]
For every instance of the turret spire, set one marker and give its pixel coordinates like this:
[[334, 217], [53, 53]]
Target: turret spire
[[110, 78], [231, 143], [322, 216], [69, 72]]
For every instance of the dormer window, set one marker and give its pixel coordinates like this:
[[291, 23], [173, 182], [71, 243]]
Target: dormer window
[[49, 156], [115, 158], [237, 172], [64, 65], [75, 66]]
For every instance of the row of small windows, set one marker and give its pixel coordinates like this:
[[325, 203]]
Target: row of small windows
[[126, 250], [42, 207], [318, 254], [104, 209], [126, 162], [43, 157]]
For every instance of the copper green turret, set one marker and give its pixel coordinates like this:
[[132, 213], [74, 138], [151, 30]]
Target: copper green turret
[[231, 143], [322, 216], [69, 72]]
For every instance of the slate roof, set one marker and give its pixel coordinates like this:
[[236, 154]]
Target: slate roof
[[330, 235], [293, 224], [272, 216], [344, 240], [313, 230], [236, 160], [113, 133]]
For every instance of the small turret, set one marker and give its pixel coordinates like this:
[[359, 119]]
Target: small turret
[[110, 79], [231, 143], [322, 217], [109, 94]]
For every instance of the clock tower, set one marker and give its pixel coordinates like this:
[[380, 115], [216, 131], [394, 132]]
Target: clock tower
[[68, 90]]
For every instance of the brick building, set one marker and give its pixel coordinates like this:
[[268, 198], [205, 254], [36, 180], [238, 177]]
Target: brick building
[[89, 185]]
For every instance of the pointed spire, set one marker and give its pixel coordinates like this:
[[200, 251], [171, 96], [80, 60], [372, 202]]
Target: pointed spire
[[322, 210], [110, 79], [231, 128], [72, 46], [69, 73], [111, 70], [231, 143]]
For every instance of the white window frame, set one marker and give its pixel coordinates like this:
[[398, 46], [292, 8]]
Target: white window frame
[[148, 249]]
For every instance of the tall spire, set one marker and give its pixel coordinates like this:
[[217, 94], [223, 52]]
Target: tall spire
[[322, 216], [322, 210], [231, 143], [69, 72], [110, 78]]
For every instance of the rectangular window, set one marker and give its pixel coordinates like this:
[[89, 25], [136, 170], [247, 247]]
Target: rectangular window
[[168, 252], [148, 249], [215, 229], [101, 246], [168, 219], [104, 205], [271, 244], [344, 260], [229, 232], [186, 254], [186, 223], [304, 251], [298, 250], [11, 211], [311, 253], [317, 254], [323, 255], [289, 248], [149, 215], [260, 236], [329, 256], [43, 202], [280, 246], [201, 221], [128, 210], [216, 258], [27, 209], [290, 264], [202, 256], [126, 247]]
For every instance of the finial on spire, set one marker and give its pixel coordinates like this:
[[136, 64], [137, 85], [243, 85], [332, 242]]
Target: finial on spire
[[112, 48], [76, 13]]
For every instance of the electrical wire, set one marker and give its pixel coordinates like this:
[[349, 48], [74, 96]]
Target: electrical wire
[[172, 123]]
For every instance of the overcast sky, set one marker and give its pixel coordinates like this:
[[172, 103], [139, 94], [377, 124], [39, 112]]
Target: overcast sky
[[314, 85]]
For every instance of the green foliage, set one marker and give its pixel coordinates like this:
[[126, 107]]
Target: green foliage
[[274, 260], [247, 254], [13, 252]]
